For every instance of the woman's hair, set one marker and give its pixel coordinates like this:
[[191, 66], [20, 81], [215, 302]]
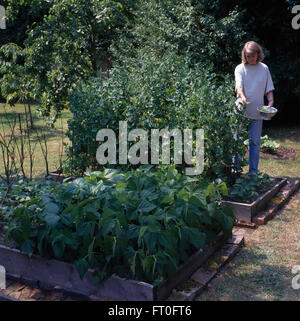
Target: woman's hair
[[252, 47]]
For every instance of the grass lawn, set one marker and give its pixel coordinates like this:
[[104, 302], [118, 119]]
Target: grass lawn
[[54, 138], [262, 269]]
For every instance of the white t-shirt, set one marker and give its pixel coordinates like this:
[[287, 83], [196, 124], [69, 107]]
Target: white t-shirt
[[256, 81]]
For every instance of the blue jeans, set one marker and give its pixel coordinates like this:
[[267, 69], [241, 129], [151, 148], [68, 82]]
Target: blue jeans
[[254, 133]]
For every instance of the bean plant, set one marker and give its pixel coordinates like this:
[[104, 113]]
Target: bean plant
[[166, 93], [140, 224]]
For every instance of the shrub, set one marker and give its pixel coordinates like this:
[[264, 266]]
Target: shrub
[[157, 94]]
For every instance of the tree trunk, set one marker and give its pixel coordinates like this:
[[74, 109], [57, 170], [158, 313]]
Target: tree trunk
[[31, 127]]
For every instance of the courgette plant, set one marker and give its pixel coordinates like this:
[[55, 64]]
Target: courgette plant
[[267, 145], [249, 185]]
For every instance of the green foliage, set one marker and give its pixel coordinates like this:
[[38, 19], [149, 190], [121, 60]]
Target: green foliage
[[16, 85], [138, 224], [157, 94], [21, 15], [269, 145], [206, 31], [68, 41], [249, 185], [21, 191], [69, 45], [266, 144], [214, 32]]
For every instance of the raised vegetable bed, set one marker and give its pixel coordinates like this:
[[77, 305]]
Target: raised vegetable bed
[[59, 177], [61, 275], [245, 212]]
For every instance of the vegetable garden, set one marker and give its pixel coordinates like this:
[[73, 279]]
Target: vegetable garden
[[140, 222]]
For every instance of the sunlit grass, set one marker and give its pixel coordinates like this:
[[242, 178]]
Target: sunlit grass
[[55, 138]]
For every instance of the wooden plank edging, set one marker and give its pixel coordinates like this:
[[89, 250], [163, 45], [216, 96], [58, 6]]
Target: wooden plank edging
[[59, 275], [4, 297], [204, 275]]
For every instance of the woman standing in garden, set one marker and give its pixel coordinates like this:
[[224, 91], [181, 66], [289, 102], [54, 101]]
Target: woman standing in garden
[[252, 81]]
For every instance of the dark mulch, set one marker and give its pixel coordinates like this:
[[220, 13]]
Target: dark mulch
[[281, 153]]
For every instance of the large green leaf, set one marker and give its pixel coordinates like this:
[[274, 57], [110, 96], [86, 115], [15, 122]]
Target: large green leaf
[[59, 245], [17, 234], [51, 208], [82, 267], [151, 241], [107, 225], [27, 247], [197, 238], [145, 206], [84, 229], [167, 240], [142, 231], [168, 199], [52, 219]]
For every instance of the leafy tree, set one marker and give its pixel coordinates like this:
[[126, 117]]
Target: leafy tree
[[21, 15], [19, 18], [68, 41], [69, 45], [204, 30], [16, 85]]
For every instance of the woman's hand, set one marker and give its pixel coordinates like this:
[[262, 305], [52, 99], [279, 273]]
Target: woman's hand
[[244, 100], [242, 96]]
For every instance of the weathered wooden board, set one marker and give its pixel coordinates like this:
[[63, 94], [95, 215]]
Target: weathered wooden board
[[186, 270], [62, 275], [187, 291]]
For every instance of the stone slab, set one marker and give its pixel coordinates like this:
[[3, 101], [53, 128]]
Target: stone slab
[[277, 202], [252, 225], [236, 239], [201, 278], [204, 275]]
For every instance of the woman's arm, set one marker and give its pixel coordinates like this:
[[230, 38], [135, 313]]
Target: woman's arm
[[270, 98], [241, 94]]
